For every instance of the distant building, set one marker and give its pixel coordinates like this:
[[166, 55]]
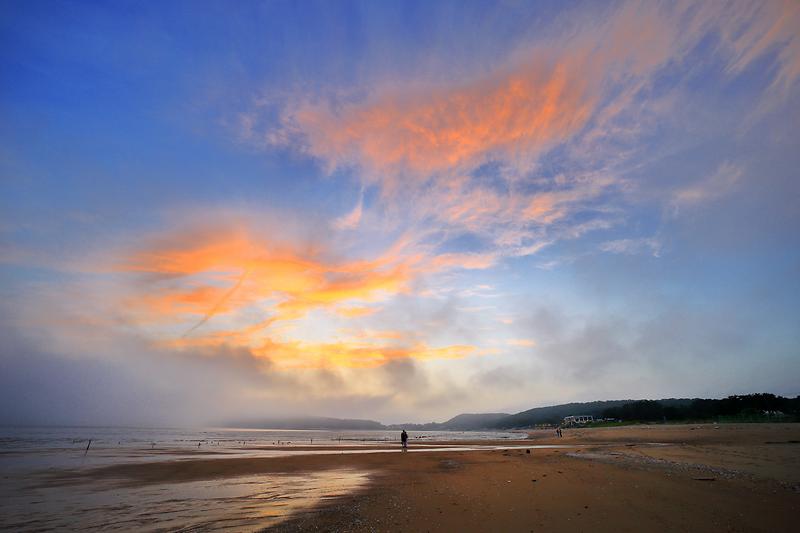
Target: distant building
[[578, 420]]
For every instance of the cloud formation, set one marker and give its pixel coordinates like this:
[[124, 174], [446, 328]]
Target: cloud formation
[[380, 235], [231, 286], [417, 133], [225, 268], [586, 87]]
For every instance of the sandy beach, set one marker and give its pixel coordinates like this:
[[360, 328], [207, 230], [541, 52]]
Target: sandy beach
[[644, 478]]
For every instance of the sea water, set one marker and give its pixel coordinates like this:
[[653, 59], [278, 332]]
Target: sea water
[[246, 503], [45, 447]]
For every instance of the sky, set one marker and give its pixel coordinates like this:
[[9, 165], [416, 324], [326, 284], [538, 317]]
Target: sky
[[402, 211]]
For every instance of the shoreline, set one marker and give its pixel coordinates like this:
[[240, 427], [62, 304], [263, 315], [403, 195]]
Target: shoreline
[[635, 478]]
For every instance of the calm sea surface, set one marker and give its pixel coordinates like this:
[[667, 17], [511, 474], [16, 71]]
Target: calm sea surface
[[31, 447]]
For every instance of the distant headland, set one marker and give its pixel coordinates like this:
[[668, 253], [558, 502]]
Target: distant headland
[[762, 407]]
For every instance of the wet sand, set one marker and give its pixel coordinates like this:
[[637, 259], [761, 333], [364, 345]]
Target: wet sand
[[650, 478]]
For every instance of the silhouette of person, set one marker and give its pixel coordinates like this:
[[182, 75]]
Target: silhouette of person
[[404, 440]]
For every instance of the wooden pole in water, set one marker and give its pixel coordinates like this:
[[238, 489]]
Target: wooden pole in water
[[87, 448]]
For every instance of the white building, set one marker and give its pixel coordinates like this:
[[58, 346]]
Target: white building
[[578, 420]]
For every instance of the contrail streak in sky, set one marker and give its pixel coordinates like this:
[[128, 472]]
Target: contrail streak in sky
[[213, 311]]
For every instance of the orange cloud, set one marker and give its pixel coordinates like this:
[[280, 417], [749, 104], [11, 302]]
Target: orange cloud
[[421, 141], [356, 311], [522, 343], [424, 132], [191, 301], [406, 132], [753, 30], [470, 261], [212, 273], [543, 207], [352, 219], [362, 353], [352, 354], [250, 285]]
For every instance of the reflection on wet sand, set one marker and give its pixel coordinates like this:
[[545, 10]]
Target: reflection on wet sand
[[163, 480], [237, 503]]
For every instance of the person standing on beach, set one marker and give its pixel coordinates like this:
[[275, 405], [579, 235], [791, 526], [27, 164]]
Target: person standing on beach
[[404, 440]]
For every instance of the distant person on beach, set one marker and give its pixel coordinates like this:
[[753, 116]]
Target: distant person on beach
[[404, 440]]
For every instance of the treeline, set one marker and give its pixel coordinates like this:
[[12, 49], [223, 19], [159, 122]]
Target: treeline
[[554, 414], [753, 406]]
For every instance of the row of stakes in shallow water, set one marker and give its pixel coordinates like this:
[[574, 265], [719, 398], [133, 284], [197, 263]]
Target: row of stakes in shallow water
[[210, 443], [219, 443]]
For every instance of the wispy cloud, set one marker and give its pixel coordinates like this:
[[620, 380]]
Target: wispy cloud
[[350, 353], [468, 155], [219, 270], [651, 246], [521, 343], [603, 128], [584, 88], [353, 218], [419, 132], [719, 183], [754, 29], [356, 311], [229, 285]]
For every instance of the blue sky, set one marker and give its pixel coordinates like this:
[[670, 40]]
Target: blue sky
[[398, 211]]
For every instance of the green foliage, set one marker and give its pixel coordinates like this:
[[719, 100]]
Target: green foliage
[[748, 407], [744, 408]]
